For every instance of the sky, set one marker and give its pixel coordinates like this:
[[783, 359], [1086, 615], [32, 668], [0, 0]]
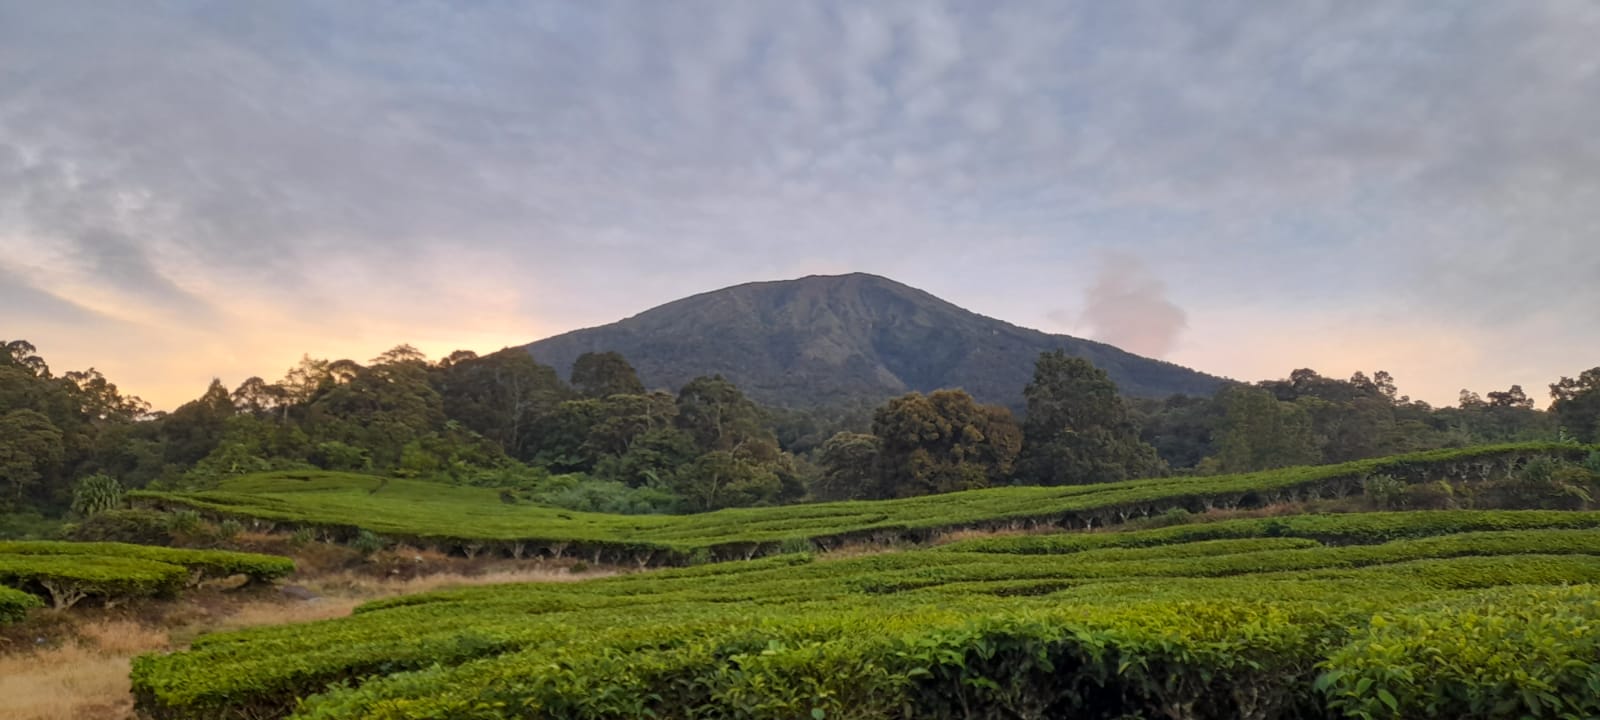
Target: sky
[[192, 190]]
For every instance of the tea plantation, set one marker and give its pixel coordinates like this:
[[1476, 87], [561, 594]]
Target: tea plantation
[[1364, 615], [1419, 614], [471, 520]]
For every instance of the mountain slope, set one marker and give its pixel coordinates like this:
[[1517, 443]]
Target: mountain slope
[[821, 339]]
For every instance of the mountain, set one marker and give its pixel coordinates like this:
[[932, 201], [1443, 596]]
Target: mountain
[[826, 339]]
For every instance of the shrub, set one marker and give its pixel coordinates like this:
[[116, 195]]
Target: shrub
[[335, 455], [1173, 516], [1542, 483], [302, 537], [141, 527], [228, 530], [366, 543], [1429, 496], [185, 522], [795, 545], [15, 604], [30, 526], [579, 567], [96, 494], [1385, 492]]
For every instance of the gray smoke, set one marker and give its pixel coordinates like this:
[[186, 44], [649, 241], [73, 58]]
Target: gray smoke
[[1127, 306]]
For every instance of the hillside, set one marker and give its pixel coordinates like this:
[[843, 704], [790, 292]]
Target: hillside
[[822, 340], [471, 520]]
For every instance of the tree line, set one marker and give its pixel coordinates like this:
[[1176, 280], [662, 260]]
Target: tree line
[[600, 440]]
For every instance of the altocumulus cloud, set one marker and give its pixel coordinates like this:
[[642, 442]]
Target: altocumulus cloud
[[1330, 184]]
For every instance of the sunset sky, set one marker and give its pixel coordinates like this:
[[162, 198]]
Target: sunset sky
[[198, 190]]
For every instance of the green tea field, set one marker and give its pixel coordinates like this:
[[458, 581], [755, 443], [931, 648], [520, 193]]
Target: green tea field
[[1393, 615], [477, 519], [1417, 614]]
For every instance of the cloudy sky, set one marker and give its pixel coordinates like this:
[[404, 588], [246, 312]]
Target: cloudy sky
[[190, 190]]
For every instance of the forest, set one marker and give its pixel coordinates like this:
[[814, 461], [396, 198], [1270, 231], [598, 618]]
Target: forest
[[598, 440]]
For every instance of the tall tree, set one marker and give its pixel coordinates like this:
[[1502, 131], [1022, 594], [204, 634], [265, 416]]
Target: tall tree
[[722, 479], [719, 416], [1576, 403], [501, 396], [740, 461], [193, 430], [382, 408], [1077, 429], [605, 373], [257, 397], [31, 450], [1512, 398], [942, 442], [22, 354], [849, 466], [1181, 428], [1260, 432]]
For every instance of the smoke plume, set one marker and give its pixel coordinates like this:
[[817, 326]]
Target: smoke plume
[[1127, 306]]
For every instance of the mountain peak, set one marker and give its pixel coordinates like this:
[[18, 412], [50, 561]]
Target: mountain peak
[[823, 339]]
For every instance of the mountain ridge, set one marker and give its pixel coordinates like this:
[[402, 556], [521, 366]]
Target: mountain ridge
[[824, 339]]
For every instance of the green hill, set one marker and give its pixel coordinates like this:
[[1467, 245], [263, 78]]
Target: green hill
[[478, 519], [855, 338]]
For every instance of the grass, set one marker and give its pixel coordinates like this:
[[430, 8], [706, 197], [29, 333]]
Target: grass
[[474, 519], [83, 678]]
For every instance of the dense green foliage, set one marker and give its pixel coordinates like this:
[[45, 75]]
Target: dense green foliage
[[67, 572], [940, 443], [1329, 529], [472, 519], [1518, 652], [1308, 418], [15, 604], [69, 444], [201, 564], [1142, 624], [1078, 429], [96, 494], [68, 579], [1577, 405]]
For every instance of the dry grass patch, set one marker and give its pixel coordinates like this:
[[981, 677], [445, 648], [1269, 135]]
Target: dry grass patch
[[975, 534], [365, 586], [83, 679]]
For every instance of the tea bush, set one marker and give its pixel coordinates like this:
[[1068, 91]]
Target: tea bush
[[14, 604]]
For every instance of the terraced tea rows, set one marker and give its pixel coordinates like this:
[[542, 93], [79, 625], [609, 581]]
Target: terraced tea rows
[[67, 572], [472, 520], [1485, 614]]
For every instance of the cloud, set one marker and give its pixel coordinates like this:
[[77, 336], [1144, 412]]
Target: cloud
[[20, 298], [212, 172]]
